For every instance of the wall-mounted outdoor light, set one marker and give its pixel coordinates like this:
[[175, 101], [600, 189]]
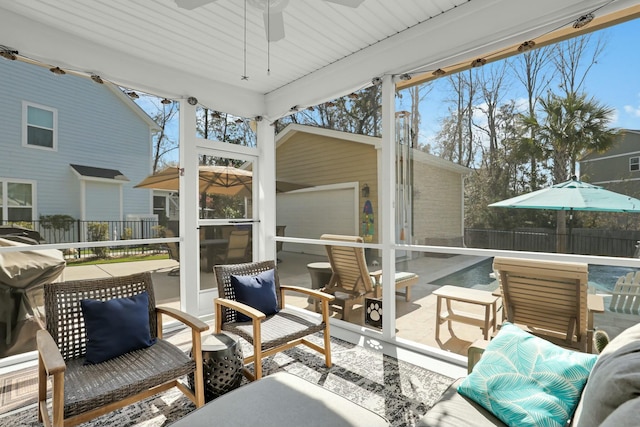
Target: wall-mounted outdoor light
[[365, 190]]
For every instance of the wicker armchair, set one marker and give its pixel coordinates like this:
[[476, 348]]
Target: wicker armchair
[[268, 334], [82, 392]]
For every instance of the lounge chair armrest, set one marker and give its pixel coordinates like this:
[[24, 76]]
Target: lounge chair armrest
[[189, 320], [376, 276], [595, 303], [242, 308], [474, 353], [311, 292], [49, 353]]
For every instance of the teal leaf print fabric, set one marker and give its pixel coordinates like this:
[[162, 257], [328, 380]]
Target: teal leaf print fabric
[[527, 381]]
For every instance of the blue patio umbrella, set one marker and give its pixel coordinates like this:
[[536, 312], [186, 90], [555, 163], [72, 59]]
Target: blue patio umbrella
[[572, 195]]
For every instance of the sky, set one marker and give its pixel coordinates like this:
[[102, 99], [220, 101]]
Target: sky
[[613, 81]]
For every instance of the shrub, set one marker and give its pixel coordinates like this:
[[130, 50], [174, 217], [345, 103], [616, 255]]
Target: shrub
[[98, 232]]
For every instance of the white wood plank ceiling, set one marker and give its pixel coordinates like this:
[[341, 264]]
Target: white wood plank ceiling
[[328, 49]]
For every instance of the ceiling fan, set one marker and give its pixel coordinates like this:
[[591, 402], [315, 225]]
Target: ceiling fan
[[271, 10]]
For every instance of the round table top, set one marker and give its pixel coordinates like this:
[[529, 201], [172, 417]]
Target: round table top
[[319, 265], [217, 342]]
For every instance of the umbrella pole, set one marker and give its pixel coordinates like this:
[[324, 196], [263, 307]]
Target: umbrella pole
[[570, 245]]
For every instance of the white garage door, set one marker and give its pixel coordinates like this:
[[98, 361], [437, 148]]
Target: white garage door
[[311, 213]]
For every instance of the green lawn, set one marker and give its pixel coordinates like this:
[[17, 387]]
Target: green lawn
[[112, 260]]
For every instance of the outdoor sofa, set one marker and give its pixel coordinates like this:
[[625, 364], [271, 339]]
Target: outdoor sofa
[[611, 397], [284, 400]]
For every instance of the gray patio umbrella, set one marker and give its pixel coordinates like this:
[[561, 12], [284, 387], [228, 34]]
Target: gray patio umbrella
[[572, 195]]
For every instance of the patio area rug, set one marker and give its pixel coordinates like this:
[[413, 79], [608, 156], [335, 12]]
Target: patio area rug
[[399, 391], [18, 389]]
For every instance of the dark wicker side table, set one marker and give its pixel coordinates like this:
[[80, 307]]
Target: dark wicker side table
[[222, 363]]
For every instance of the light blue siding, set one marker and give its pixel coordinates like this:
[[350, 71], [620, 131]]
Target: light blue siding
[[95, 128], [103, 202]]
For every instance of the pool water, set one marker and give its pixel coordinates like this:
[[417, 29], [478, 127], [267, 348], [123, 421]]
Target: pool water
[[601, 277]]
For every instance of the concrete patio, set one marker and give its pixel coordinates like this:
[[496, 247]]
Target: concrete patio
[[415, 320]]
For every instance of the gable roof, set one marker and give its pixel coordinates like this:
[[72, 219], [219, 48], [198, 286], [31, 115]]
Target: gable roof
[[293, 129], [96, 173]]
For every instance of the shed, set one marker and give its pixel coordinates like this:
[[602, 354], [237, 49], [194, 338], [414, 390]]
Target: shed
[[341, 170]]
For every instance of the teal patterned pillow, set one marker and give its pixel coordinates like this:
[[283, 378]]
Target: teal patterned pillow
[[527, 381]]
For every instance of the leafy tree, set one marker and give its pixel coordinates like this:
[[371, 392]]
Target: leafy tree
[[164, 114], [531, 69], [355, 113], [570, 127], [456, 142]]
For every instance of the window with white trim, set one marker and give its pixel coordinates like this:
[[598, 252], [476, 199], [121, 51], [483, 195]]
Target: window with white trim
[[39, 128], [634, 164], [16, 201]]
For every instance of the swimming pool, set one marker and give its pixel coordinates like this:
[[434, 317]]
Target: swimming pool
[[601, 277]]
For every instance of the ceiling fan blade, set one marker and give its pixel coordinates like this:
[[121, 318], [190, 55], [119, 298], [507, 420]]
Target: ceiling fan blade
[[348, 3], [274, 25], [192, 4]]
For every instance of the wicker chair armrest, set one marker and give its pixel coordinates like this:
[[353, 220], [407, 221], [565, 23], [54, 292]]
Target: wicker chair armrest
[[242, 308], [49, 353], [311, 292], [189, 320], [595, 303]]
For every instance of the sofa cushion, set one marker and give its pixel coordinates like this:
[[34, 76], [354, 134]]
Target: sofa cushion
[[284, 400], [523, 379], [257, 291], [455, 410], [614, 384]]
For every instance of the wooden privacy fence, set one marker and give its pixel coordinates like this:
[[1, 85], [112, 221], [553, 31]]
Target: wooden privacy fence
[[621, 243]]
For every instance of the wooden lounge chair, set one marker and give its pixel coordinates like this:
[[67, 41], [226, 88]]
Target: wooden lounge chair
[[625, 297], [351, 281], [549, 299], [273, 333], [174, 252], [237, 248], [81, 392]]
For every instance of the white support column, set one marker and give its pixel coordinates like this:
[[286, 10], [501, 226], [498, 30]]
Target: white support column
[[189, 246], [266, 183], [387, 207]]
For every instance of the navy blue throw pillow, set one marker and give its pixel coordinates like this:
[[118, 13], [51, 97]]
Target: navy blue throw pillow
[[116, 326], [258, 292]]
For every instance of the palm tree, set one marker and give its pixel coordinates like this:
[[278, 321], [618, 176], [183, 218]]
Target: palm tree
[[572, 126]]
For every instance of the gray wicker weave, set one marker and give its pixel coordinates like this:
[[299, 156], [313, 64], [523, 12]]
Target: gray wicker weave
[[88, 389], [273, 333]]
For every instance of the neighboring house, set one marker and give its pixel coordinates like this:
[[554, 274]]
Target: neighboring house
[[341, 170], [70, 146], [618, 168]]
